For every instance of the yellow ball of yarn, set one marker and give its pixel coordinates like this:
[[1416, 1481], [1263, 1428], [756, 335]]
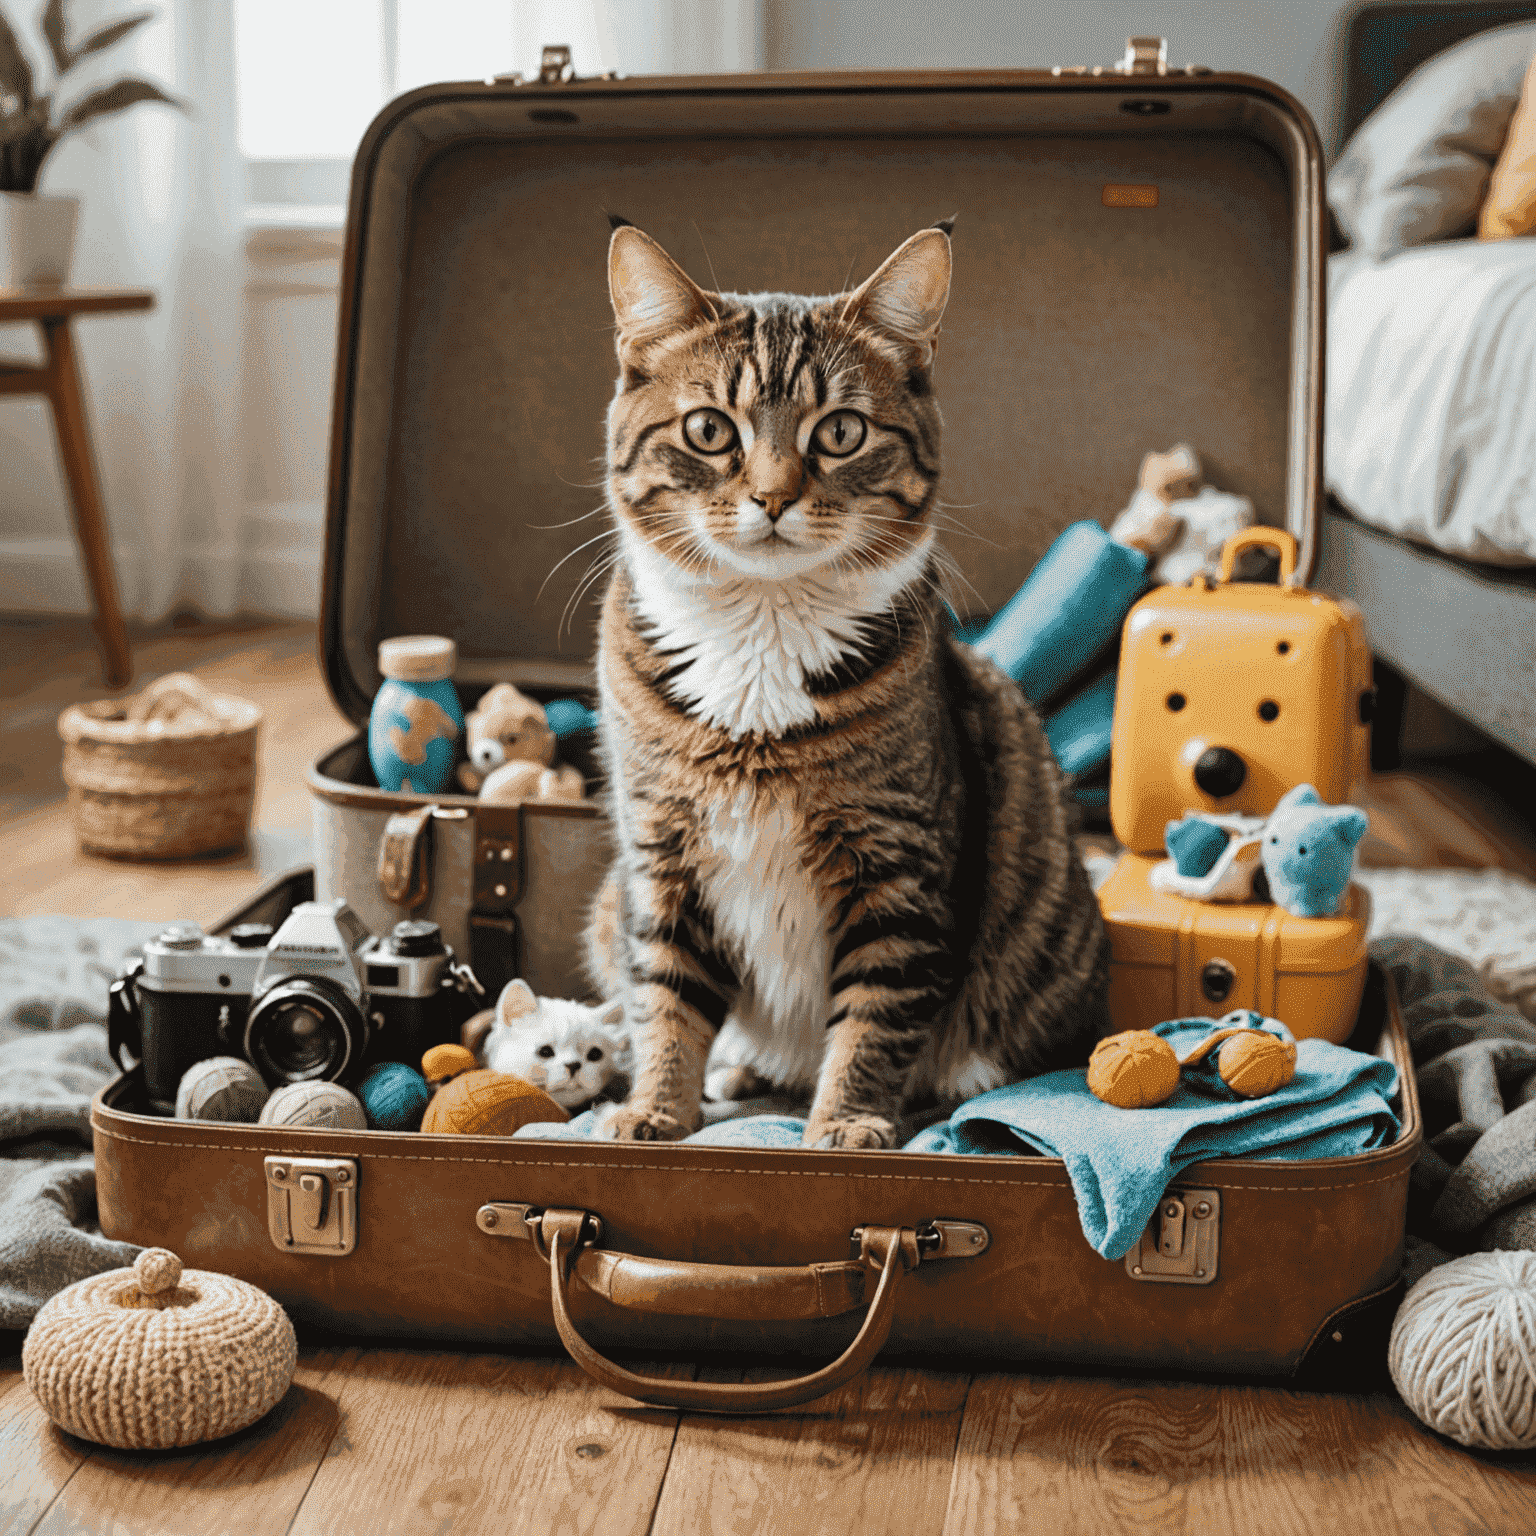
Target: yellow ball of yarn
[[445, 1061], [488, 1104], [1255, 1063], [1133, 1070]]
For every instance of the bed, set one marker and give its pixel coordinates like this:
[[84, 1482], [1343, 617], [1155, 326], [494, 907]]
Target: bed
[[1431, 416]]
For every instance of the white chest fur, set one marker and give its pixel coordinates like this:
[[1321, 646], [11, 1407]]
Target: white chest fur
[[751, 644], [769, 919]]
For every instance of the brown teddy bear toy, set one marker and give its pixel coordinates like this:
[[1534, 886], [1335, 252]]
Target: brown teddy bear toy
[[504, 727], [512, 751]]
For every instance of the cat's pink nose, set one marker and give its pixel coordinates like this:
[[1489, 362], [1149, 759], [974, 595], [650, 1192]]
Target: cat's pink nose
[[773, 505]]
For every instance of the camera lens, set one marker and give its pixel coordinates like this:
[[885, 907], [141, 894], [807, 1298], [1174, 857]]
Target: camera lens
[[304, 1030]]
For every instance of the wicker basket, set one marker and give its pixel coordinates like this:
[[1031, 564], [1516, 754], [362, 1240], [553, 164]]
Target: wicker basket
[[159, 790]]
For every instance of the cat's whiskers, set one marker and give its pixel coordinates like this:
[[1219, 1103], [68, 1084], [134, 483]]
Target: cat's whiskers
[[606, 533]]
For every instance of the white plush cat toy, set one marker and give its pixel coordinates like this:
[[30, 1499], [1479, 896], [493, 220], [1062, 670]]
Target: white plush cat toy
[[570, 1050]]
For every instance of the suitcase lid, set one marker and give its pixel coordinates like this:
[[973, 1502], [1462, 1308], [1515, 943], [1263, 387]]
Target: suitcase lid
[[1138, 262]]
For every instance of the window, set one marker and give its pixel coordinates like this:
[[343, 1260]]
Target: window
[[314, 73]]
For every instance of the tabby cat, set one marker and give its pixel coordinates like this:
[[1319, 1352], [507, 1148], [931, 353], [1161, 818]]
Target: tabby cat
[[833, 822]]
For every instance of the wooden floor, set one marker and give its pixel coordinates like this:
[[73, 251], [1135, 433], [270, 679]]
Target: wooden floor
[[426, 1441]]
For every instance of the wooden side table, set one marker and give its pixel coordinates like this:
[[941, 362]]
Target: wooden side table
[[59, 379]]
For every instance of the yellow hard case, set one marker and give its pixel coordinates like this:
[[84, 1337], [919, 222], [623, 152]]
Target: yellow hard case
[[1277, 678]]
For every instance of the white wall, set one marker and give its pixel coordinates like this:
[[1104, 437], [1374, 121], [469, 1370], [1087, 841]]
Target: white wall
[[1292, 42]]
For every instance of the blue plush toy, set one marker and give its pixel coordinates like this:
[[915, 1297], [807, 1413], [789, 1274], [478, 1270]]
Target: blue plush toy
[[568, 717], [1305, 847], [1309, 850], [1194, 845]]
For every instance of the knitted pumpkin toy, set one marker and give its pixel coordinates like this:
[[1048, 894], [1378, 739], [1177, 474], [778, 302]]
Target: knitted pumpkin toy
[[153, 1357]]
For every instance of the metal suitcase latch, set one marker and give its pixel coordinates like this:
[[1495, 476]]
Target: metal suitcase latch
[[1182, 1242], [312, 1204]]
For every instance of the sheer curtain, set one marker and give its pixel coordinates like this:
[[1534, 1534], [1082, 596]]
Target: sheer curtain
[[198, 481], [162, 208]]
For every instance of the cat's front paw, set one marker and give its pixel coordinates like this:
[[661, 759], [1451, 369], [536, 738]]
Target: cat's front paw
[[641, 1122], [861, 1133]]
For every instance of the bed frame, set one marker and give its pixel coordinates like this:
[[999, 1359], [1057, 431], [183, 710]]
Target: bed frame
[[1464, 633]]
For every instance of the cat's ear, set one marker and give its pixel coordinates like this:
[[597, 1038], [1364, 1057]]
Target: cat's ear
[[612, 1014], [906, 297], [516, 1002], [652, 296]]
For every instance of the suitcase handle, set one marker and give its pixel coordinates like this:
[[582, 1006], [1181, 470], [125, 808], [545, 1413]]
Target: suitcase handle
[[726, 1290], [1271, 538]]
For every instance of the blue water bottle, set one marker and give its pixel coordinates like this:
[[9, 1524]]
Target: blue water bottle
[[416, 718]]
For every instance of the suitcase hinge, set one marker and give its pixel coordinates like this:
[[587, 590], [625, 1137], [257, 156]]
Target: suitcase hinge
[[1182, 1242], [555, 68], [1143, 56], [312, 1204]]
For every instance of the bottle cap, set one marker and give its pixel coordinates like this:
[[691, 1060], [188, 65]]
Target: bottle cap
[[418, 658]]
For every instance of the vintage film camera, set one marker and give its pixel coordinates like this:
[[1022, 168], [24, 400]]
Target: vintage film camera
[[319, 999], [1229, 694]]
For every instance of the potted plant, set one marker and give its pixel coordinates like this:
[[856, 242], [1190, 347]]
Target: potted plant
[[37, 233]]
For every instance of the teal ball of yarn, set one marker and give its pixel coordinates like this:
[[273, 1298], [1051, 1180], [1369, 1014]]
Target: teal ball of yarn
[[394, 1096]]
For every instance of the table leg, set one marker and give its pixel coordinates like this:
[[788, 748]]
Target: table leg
[[85, 496]]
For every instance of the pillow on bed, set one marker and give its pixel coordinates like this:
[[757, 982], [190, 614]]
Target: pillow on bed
[[1510, 207], [1418, 166]]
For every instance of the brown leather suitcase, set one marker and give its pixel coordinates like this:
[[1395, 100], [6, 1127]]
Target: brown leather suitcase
[[1139, 261]]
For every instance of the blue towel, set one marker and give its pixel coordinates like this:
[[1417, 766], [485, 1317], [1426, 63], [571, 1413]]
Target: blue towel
[[1081, 730], [1068, 610], [1121, 1160]]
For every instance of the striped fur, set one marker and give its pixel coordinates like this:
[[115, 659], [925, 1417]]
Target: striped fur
[[836, 827]]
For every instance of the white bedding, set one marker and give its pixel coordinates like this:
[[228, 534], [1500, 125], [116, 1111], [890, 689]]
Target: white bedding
[[1431, 411]]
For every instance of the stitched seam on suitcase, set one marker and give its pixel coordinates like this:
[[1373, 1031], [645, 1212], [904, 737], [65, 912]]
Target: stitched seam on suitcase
[[783, 1173]]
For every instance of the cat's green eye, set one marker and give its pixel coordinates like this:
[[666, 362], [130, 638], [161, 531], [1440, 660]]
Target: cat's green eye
[[839, 434], [709, 430], [546, 1051]]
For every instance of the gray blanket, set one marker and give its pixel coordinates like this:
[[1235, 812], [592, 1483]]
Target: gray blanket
[[54, 974], [1474, 1185]]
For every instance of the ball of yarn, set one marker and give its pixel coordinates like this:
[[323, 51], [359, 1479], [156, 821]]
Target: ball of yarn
[[445, 1061], [394, 1097], [221, 1088], [488, 1104], [1133, 1070], [314, 1107], [1255, 1063], [194, 1356], [1463, 1350]]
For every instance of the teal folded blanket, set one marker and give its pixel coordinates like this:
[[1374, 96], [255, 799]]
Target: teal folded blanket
[[1121, 1160]]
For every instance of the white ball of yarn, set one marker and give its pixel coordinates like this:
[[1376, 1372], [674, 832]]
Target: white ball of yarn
[[315, 1107], [1463, 1351], [221, 1088]]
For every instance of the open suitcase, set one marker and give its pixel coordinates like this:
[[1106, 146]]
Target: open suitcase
[[1138, 260]]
